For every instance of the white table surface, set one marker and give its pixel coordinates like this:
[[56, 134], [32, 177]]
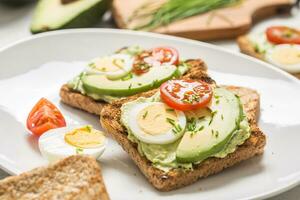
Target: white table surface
[[14, 25]]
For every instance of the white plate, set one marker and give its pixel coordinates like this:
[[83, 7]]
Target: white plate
[[38, 66]]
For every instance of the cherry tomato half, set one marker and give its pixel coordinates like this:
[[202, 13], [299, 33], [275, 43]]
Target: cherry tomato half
[[283, 35], [166, 55], [186, 94], [140, 66], [43, 117], [155, 57]]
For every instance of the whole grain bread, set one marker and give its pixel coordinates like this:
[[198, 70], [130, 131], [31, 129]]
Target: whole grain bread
[[177, 178], [246, 47], [73, 178], [77, 100]]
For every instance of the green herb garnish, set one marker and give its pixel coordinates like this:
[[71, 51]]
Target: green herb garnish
[[92, 65], [145, 114], [213, 113], [161, 13], [79, 151], [217, 134], [176, 127], [127, 77], [89, 128], [191, 124]]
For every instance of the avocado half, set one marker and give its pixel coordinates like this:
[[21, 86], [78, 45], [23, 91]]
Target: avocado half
[[61, 14]]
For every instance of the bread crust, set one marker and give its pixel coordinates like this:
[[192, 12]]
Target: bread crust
[[77, 100], [73, 178], [177, 178], [247, 48]]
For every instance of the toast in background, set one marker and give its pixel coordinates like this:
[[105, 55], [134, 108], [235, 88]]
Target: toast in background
[[76, 177], [246, 47]]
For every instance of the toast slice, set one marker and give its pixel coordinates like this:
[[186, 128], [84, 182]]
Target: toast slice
[[254, 145], [77, 100], [246, 47], [74, 178]]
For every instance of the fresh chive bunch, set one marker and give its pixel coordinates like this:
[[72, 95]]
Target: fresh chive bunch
[[160, 14]]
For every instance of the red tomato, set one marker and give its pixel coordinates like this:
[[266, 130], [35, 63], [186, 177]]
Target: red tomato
[[157, 56], [283, 35], [166, 55], [43, 117], [186, 94]]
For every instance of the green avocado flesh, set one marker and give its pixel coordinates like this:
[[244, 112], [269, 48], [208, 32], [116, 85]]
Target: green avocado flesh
[[53, 14], [225, 116], [100, 84], [219, 128]]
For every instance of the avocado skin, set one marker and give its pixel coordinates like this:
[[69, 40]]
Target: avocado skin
[[84, 19]]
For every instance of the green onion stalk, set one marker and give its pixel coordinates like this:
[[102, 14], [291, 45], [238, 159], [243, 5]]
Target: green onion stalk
[[161, 14]]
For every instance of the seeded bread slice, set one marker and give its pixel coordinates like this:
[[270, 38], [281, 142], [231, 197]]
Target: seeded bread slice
[[70, 97], [110, 120], [246, 47], [74, 178]]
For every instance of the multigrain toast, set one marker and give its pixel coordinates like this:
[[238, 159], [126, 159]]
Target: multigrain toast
[[74, 178], [246, 47], [177, 178], [77, 100]]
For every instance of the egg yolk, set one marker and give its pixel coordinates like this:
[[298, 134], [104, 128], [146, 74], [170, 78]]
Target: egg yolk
[[287, 56], [85, 137], [108, 64], [155, 119]]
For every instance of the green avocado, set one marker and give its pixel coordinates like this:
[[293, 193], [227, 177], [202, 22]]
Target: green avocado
[[59, 14], [217, 129], [100, 84]]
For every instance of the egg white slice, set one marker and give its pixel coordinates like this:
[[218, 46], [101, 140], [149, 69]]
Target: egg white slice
[[54, 147], [124, 70], [163, 138], [292, 59]]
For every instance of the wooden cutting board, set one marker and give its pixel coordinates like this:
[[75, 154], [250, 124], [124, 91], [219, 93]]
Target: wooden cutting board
[[223, 23]]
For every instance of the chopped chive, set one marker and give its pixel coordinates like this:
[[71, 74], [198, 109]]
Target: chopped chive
[[170, 109], [222, 117], [129, 87], [176, 127], [201, 128], [79, 150], [127, 77], [145, 114], [217, 134], [218, 101], [93, 65], [200, 118], [212, 117], [171, 121], [89, 128], [139, 84]]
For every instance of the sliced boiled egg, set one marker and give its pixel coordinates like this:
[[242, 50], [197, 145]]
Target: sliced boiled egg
[[113, 67], [285, 56], [59, 143], [156, 123]]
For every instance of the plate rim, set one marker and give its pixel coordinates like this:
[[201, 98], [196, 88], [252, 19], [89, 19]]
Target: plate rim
[[31, 38]]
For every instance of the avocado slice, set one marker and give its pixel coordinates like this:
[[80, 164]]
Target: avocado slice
[[59, 14], [218, 128], [100, 84]]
